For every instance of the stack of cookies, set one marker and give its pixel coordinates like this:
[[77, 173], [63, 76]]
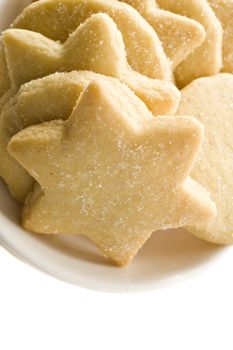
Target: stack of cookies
[[116, 119]]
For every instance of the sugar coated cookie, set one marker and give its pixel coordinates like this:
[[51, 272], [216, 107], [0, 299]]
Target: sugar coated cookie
[[52, 97], [211, 101], [46, 99], [224, 11], [180, 35], [96, 45], [207, 59], [112, 172], [57, 19]]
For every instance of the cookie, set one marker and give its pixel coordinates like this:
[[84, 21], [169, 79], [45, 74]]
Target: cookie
[[179, 35], [96, 45], [56, 19], [211, 101], [52, 97], [46, 99], [110, 173], [224, 11], [206, 60]]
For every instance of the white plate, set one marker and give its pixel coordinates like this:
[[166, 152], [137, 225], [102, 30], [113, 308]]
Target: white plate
[[167, 257]]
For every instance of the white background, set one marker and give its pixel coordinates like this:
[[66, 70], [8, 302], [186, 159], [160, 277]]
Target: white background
[[39, 312]]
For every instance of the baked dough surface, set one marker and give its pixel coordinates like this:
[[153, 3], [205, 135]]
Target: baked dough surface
[[112, 172], [210, 100]]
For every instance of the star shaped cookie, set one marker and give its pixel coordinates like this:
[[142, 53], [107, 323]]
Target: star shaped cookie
[[206, 60], [57, 19], [41, 100], [224, 11], [110, 173], [211, 101], [180, 35], [96, 45]]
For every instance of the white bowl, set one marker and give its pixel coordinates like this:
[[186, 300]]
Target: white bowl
[[167, 257]]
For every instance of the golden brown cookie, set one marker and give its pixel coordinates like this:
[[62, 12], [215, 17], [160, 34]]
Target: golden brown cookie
[[112, 172]]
